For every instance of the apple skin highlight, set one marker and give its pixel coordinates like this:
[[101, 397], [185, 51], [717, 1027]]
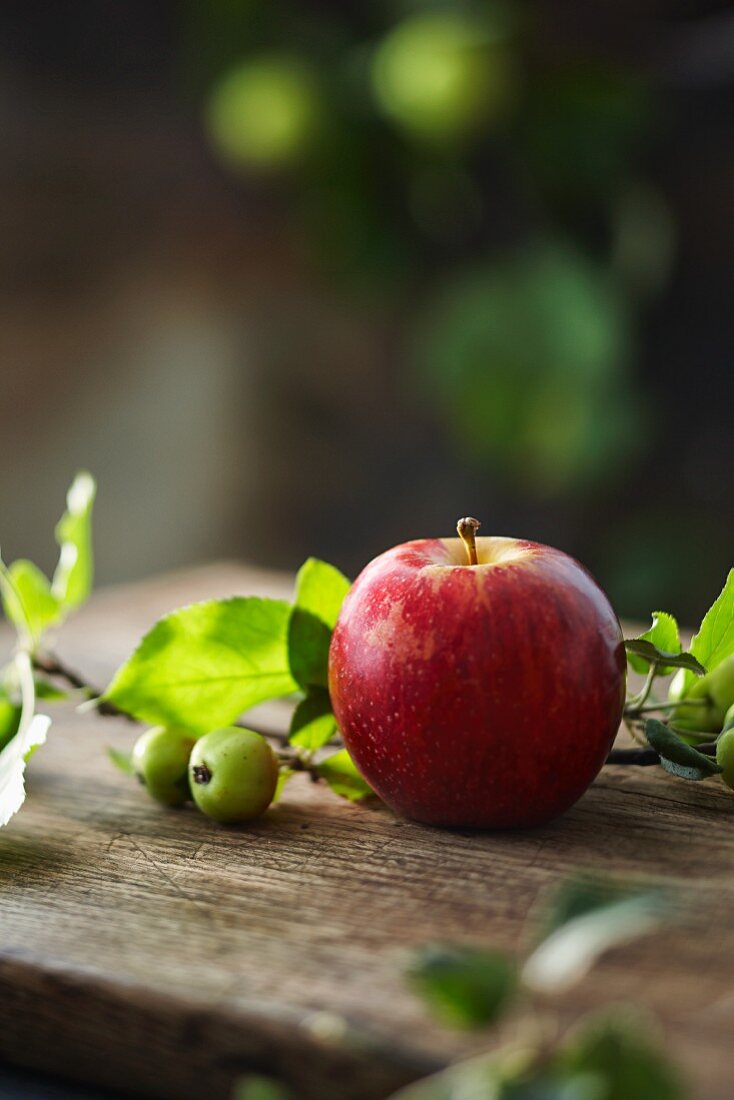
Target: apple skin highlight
[[477, 696]]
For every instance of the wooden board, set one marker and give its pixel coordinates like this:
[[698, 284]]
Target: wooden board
[[151, 950]]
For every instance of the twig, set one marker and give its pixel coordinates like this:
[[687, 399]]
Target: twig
[[649, 708], [646, 757], [638, 700], [51, 665]]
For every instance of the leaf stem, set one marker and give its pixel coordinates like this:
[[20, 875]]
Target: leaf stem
[[637, 700], [650, 707]]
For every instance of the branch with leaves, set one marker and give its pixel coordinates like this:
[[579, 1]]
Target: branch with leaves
[[201, 667], [34, 604], [689, 730]]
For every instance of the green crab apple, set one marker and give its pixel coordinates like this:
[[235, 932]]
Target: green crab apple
[[477, 682], [725, 756], [711, 696], [443, 75], [161, 760], [233, 774], [265, 113]]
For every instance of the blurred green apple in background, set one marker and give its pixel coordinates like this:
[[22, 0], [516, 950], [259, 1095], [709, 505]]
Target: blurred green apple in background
[[444, 75], [265, 113]]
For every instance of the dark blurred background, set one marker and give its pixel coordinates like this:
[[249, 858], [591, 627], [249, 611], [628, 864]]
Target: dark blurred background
[[297, 278]]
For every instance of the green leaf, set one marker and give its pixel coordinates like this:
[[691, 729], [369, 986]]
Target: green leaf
[[587, 918], [320, 589], [577, 897], [9, 719], [13, 604], [464, 986], [617, 1051], [714, 641], [640, 648], [30, 587], [313, 723], [32, 602], [260, 1088], [664, 635], [340, 773], [200, 667], [122, 760], [49, 692], [72, 581], [676, 756], [693, 772], [320, 592]]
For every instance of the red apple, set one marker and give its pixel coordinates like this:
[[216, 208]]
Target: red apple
[[479, 695]]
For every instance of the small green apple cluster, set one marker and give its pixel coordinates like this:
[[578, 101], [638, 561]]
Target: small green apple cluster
[[231, 774], [707, 704], [711, 708], [725, 749]]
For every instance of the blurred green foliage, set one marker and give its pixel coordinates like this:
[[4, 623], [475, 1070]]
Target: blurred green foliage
[[445, 75], [265, 113], [431, 157], [528, 356]]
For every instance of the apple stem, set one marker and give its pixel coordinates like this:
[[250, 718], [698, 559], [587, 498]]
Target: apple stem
[[467, 530]]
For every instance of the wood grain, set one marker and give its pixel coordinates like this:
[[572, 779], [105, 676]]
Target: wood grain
[[151, 950]]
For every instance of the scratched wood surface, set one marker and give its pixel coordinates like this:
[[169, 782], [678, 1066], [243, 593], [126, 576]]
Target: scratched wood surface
[[152, 951]]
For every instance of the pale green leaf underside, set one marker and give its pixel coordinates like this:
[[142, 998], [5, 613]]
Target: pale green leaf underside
[[676, 756], [201, 666]]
